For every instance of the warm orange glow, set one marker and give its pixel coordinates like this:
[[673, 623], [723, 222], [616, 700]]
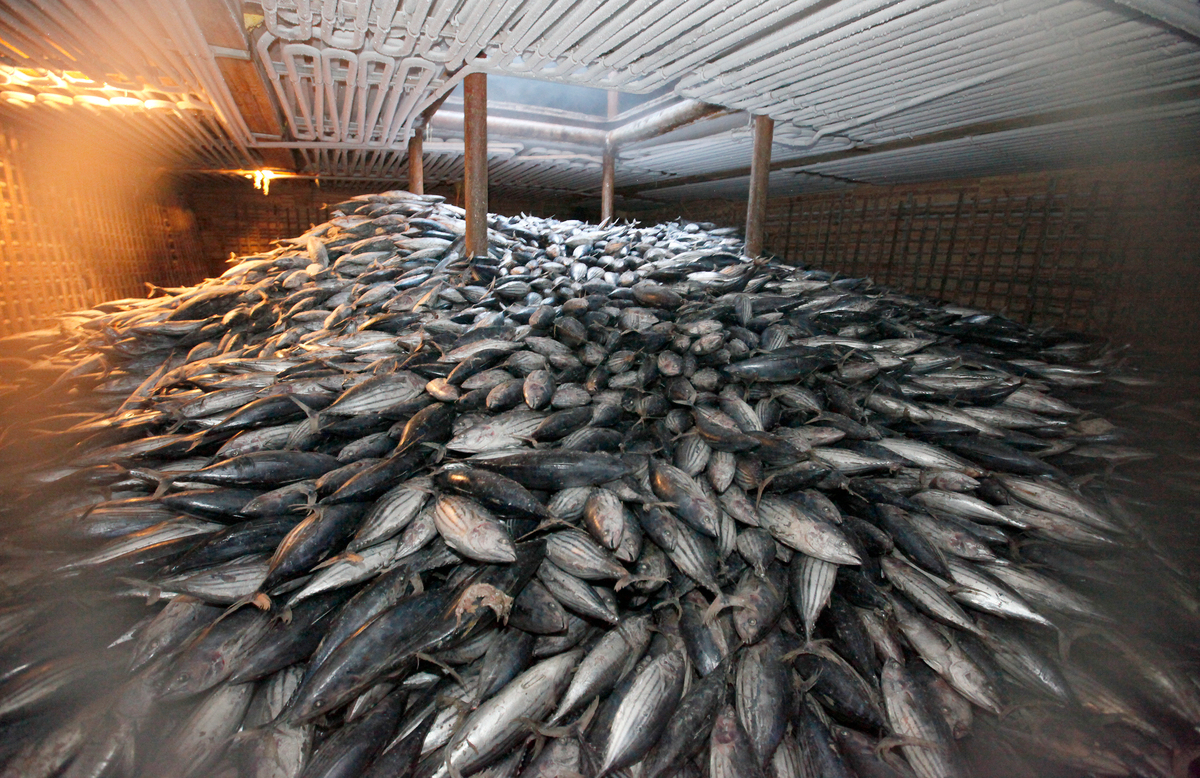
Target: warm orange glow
[[188, 104], [73, 87], [61, 50], [13, 48], [262, 179]]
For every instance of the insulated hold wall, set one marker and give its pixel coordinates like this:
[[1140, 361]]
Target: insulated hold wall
[[75, 236], [1113, 252], [235, 218]]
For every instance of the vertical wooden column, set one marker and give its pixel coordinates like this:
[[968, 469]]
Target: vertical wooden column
[[475, 161], [608, 183], [760, 169], [416, 162]]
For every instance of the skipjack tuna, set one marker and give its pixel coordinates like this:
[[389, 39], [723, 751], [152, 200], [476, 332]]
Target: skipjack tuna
[[607, 501]]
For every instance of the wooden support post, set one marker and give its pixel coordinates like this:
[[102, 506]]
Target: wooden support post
[[760, 169], [475, 161], [608, 176], [416, 162], [608, 183]]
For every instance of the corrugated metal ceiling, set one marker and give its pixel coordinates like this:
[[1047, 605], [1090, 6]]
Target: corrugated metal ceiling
[[876, 91]]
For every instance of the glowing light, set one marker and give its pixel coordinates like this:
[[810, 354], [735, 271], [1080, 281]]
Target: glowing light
[[58, 89], [13, 48], [188, 104], [262, 179], [18, 98]]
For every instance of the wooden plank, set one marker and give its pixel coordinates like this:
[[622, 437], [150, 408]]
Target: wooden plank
[[250, 94], [220, 23]]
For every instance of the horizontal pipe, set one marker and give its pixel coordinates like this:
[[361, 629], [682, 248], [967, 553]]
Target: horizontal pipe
[[670, 118], [1111, 109], [1179, 15], [522, 128]]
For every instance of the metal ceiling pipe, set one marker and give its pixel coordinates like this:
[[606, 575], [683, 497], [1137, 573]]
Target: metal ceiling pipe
[[523, 128], [841, 61], [818, 43], [722, 32], [475, 162], [669, 118], [856, 17], [654, 36], [760, 171], [628, 24], [477, 34], [871, 98], [696, 131], [1180, 16], [781, 53], [200, 58]]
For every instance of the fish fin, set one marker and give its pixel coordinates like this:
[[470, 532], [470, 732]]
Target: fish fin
[[438, 450], [333, 560], [722, 602], [806, 684], [165, 482], [544, 730], [629, 580], [259, 600], [450, 671], [483, 595], [758, 496], [589, 713], [669, 602], [309, 412]]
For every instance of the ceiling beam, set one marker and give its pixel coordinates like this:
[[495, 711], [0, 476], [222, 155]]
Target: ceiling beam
[[1165, 97]]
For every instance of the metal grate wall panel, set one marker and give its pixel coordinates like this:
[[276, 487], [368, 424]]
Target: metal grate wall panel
[[1114, 252], [69, 242]]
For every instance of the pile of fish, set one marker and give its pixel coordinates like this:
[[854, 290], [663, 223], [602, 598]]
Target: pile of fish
[[610, 500]]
